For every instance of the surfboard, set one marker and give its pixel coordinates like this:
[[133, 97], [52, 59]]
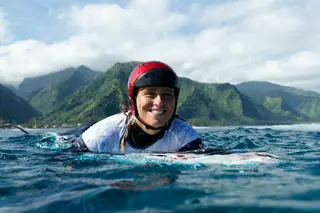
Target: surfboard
[[197, 159]]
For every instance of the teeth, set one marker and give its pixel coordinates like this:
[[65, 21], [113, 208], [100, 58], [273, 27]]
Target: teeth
[[158, 112]]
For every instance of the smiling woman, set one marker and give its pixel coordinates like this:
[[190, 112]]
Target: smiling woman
[[156, 106], [151, 124]]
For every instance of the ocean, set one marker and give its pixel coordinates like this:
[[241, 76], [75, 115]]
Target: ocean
[[39, 174]]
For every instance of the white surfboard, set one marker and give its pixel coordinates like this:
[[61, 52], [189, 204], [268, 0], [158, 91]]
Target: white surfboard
[[202, 159]]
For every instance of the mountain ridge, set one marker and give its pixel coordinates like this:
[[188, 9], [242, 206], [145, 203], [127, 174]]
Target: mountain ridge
[[29, 85], [49, 96], [13, 108], [301, 102], [199, 103], [74, 100]]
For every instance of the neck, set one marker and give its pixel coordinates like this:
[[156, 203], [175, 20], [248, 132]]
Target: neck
[[144, 128]]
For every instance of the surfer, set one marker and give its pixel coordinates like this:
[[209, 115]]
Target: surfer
[[150, 123]]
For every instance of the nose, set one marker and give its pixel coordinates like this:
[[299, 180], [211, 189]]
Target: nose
[[158, 100]]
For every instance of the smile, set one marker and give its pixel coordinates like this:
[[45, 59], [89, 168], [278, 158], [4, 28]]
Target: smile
[[157, 112]]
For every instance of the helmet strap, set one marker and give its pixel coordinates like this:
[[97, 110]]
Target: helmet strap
[[154, 128]]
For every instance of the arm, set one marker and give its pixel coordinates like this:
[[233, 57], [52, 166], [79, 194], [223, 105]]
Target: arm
[[104, 136], [79, 145], [193, 145]]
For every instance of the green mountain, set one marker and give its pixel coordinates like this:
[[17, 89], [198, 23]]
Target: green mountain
[[216, 104], [14, 109], [284, 101], [29, 87], [98, 99], [199, 103], [48, 97]]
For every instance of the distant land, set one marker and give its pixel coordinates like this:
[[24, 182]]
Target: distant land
[[14, 109], [46, 98], [30, 86], [76, 96]]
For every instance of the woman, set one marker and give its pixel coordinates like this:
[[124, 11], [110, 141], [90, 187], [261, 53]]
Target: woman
[[151, 124]]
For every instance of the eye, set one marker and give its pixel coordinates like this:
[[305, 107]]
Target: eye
[[150, 94], [167, 95]]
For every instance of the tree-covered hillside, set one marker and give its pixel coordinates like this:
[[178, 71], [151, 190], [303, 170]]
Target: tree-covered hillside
[[210, 104], [29, 87], [51, 95], [199, 103], [76, 100], [14, 109], [284, 101], [100, 98]]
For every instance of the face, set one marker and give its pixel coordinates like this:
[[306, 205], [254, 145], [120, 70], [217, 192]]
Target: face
[[155, 105]]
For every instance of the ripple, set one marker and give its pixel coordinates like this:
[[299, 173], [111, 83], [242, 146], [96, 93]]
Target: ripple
[[39, 175]]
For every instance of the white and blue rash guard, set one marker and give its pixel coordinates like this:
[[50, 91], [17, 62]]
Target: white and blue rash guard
[[105, 136]]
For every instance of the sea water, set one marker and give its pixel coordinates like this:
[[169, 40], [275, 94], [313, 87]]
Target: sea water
[[39, 174]]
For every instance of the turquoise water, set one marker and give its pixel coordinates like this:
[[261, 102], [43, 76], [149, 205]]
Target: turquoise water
[[37, 174]]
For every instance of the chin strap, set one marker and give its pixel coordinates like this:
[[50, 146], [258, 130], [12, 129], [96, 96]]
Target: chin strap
[[130, 125], [151, 127]]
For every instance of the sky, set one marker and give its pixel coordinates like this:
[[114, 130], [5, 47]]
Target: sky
[[214, 41]]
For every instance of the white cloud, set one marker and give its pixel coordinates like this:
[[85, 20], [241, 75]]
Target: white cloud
[[5, 35], [292, 69], [232, 41]]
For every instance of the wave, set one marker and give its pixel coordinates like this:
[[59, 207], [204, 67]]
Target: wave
[[310, 127]]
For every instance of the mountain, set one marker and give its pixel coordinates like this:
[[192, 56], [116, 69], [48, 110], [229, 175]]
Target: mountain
[[31, 86], [98, 99], [211, 104], [46, 98], [14, 109], [282, 100], [10, 87], [255, 88], [199, 103]]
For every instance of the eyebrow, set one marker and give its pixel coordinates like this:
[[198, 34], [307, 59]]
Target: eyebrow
[[163, 90]]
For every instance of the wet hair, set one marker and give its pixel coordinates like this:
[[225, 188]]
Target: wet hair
[[124, 108], [130, 121]]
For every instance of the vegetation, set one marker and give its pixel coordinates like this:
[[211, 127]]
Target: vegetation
[[13, 108], [48, 97], [98, 99], [293, 103], [79, 99], [211, 104], [30, 86]]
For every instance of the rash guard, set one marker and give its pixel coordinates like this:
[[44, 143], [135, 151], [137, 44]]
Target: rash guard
[[105, 136]]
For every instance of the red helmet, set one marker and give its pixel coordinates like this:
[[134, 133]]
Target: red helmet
[[151, 73]]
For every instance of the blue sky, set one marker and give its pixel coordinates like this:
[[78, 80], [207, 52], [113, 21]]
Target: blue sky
[[208, 41], [37, 19]]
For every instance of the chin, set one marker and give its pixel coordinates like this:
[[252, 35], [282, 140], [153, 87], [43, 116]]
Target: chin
[[157, 124]]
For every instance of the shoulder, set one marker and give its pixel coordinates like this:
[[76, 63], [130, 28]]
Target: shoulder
[[103, 130], [181, 125], [109, 122], [183, 131]]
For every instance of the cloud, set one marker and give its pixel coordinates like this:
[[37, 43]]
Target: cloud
[[227, 41], [103, 34], [292, 69], [5, 35]]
